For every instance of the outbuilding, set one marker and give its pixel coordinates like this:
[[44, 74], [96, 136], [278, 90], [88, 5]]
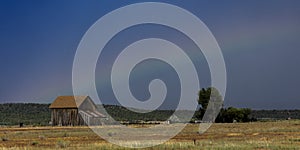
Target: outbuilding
[[75, 111]]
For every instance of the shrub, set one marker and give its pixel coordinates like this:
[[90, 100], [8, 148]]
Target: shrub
[[4, 139], [34, 143], [65, 134], [42, 137], [62, 143]]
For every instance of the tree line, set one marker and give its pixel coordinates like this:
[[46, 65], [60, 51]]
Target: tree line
[[211, 102]]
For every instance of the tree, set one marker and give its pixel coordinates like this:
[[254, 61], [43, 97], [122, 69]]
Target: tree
[[210, 100], [232, 114]]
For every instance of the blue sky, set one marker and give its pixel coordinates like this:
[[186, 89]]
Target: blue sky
[[260, 41]]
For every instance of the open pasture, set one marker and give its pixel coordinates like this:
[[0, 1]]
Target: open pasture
[[255, 135]]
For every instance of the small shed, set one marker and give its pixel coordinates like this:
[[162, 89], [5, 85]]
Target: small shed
[[75, 111]]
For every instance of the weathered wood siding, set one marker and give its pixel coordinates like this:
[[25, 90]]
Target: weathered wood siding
[[66, 117], [69, 115], [88, 105]]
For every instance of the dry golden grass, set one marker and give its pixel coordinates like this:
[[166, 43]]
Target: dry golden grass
[[257, 135]]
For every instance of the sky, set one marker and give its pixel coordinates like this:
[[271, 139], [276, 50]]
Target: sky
[[260, 42]]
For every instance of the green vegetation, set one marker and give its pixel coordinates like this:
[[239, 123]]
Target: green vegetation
[[62, 144], [232, 114], [211, 100], [207, 95], [120, 113], [275, 114], [39, 114], [28, 114]]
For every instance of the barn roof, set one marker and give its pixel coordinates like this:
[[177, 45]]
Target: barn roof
[[67, 101]]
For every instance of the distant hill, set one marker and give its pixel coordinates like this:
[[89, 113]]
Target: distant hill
[[120, 113], [39, 114], [275, 114], [28, 113]]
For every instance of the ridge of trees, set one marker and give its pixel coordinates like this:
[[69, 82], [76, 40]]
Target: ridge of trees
[[40, 115], [27, 113]]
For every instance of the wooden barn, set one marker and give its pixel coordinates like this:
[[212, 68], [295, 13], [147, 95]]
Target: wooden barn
[[75, 111]]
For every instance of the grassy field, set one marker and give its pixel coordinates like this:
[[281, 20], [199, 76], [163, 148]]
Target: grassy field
[[257, 135]]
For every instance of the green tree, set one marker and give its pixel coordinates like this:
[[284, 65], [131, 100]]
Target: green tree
[[238, 114], [210, 99]]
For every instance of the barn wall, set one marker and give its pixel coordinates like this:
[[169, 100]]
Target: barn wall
[[88, 104], [66, 117]]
